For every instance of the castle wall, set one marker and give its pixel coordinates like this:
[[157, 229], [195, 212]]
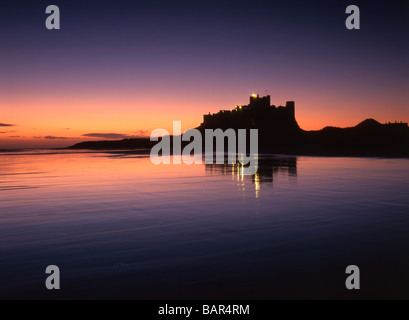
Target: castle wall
[[258, 114]]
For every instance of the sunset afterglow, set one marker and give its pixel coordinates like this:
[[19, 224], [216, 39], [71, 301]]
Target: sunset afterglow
[[93, 80]]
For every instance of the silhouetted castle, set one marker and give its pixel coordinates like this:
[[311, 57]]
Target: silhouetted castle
[[259, 113], [279, 133]]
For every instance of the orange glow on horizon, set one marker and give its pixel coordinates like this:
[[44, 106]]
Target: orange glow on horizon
[[55, 121]]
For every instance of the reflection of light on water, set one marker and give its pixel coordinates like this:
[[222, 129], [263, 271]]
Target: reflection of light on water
[[257, 183], [264, 168], [242, 177], [237, 174]]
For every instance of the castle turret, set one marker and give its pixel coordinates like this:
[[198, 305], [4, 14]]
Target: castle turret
[[290, 105], [257, 101]]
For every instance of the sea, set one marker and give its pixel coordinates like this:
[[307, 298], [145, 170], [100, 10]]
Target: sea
[[118, 226]]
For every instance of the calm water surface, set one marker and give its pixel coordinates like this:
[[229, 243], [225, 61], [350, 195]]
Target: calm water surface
[[120, 227]]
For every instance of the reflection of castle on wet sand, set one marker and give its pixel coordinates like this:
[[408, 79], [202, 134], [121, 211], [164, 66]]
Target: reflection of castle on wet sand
[[268, 168]]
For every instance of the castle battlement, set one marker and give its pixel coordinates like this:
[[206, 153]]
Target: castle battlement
[[399, 125], [259, 113]]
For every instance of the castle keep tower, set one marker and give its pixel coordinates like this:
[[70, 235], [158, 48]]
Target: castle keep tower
[[290, 106]]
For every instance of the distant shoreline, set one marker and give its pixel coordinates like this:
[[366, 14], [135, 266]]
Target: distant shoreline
[[367, 139]]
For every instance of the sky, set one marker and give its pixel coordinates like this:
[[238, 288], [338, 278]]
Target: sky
[[120, 69]]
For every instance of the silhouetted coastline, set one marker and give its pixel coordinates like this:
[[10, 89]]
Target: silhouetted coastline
[[280, 133]]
